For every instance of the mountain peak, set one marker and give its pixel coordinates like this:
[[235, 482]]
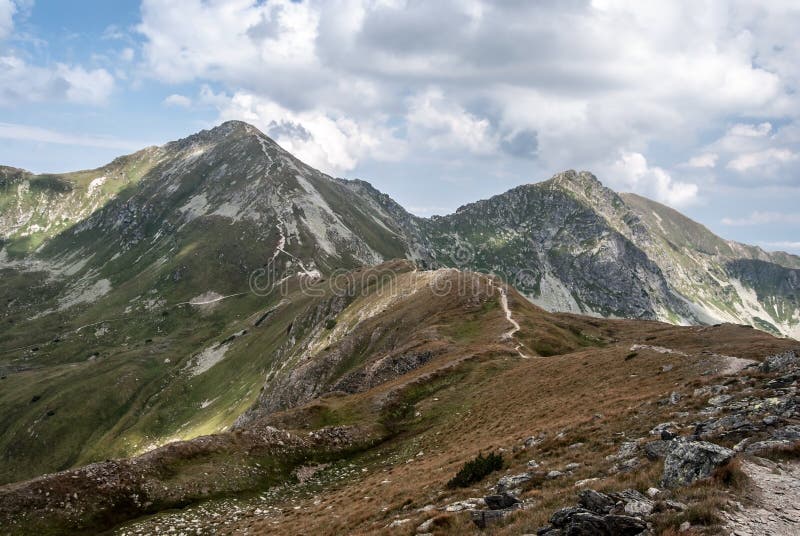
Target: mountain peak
[[572, 178]]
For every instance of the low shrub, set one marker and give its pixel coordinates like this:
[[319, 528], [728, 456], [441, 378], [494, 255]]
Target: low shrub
[[476, 469]]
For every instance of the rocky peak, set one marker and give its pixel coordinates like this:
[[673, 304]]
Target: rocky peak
[[572, 180]]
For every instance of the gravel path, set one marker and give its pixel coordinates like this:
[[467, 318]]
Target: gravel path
[[775, 502]]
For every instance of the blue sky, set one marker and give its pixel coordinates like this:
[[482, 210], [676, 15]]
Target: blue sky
[[692, 103]]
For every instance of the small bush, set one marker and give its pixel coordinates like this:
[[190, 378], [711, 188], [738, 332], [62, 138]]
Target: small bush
[[476, 469], [631, 356], [731, 476], [330, 323]]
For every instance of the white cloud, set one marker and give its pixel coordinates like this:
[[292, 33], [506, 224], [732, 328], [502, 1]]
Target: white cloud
[[14, 131], [764, 161], [7, 10], [627, 76], [631, 171], [22, 82], [750, 131], [179, 101], [763, 218], [127, 54], [327, 141], [442, 124], [705, 160]]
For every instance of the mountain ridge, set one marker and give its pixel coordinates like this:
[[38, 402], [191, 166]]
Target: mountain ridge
[[348, 222]]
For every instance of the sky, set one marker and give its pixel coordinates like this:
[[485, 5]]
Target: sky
[[694, 103]]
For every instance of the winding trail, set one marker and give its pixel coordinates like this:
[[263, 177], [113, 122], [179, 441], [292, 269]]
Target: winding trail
[[515, 325]]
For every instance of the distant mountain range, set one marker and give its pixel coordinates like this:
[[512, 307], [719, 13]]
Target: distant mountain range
[[568, 243], [128, 291]]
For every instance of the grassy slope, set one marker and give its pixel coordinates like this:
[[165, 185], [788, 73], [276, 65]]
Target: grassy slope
[[483, 397]]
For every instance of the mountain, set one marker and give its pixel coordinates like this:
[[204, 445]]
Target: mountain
[[132, 291], [570, 244]]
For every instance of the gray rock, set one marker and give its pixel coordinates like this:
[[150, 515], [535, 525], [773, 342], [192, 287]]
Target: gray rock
[[626, 466], [554, 474], [532, 441], [692, 461], [672, 505], [626, 450], [572, 466], [656, 450], [500, 501], [512, 482], [780, 362], [635, 504], [587, 524], [562, 517], [763, 447], [625, 525], [719, 400], [661, 427], [596, 502], [791, 432], [710, 390], [783, 381]]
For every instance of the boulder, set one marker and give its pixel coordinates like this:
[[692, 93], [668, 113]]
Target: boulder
[[562, 517], [626, 450], [588, 524], [596, 502], [656, 450], [512, 482], [625, 525], [634, 503], [500, 501], [780, 362], [626, 466], [692, 461]]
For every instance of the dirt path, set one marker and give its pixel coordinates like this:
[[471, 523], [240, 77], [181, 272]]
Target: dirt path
[[515, 325], [775, 502]]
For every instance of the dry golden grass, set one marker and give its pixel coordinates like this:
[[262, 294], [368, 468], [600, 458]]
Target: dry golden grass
[[487, 398]]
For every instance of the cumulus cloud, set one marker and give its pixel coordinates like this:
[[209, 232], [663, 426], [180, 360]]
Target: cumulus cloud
[[632, 172], [23, 82], [705, 160], [7, 10], [443, 124], [326, 140], [766, 161], [626, 76], [178, 101]]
